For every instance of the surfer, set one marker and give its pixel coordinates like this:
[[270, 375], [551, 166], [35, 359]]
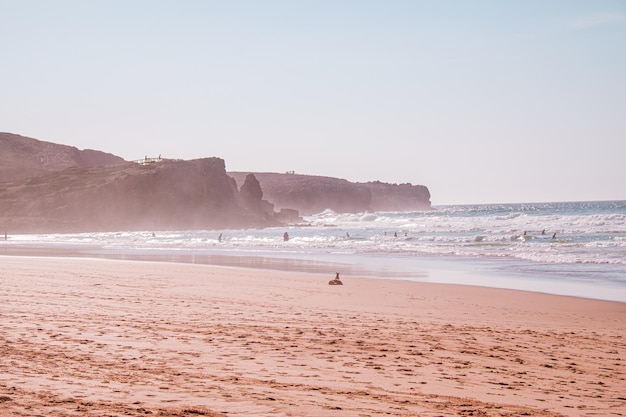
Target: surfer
[[286, 237], [554, 236]]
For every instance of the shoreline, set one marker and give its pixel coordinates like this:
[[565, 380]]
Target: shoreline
[[437, 270], [99, 336]]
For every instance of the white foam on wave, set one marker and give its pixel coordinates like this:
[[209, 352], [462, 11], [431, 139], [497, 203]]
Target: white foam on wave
[[584, 236]]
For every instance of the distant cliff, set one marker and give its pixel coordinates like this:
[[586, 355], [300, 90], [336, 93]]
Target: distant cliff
[[167, 195], [45, 187], [398, 197], [313, 194], [23, 157]]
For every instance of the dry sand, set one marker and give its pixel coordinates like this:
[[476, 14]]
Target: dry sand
[[83, 337]]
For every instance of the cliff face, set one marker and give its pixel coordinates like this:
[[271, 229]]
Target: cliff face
[[309, 194], [45, 187], [195, 194], [398, 197], [23, 157], [313, 194]]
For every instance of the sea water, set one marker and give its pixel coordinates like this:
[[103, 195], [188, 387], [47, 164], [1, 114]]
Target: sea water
[[572, 248]]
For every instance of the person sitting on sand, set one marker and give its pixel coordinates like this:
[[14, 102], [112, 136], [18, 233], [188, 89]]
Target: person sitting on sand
[[336, 280]]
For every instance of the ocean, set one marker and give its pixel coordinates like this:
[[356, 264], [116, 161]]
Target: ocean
[[568, 248]]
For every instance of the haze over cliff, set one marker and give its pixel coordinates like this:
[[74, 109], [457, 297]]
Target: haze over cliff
[[45, 187], [23, 157], [311, 194]]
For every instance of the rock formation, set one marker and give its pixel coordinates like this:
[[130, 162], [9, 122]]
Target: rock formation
[[168, 195], [398, 197], [251, 198], [23, 157], [313, 194], [45, 187]]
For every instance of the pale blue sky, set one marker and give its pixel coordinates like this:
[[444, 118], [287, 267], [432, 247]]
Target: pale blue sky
[[481, 101]]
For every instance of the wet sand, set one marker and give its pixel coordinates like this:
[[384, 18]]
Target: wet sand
[[85, 337]]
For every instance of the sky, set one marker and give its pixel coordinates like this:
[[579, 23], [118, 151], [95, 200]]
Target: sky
[[481, 101]]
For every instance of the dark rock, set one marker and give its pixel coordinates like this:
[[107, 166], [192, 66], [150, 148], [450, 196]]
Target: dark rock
[[46, 187], [167, 195], [313, 194], [288, 216]]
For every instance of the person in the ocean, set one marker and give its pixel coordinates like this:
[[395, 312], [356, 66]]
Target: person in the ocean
[[554, 236], [286, 237], [219, 238]]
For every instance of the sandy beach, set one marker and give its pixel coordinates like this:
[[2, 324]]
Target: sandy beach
[[85, 337]]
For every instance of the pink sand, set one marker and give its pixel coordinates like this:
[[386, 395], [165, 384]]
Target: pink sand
[[99, 337]]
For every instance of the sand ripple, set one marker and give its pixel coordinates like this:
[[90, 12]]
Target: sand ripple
[[94, 338]]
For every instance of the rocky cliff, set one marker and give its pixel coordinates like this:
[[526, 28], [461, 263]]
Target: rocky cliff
[[170, 195], [313, 194], [23, 157], [45, 187], [398, 197]]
